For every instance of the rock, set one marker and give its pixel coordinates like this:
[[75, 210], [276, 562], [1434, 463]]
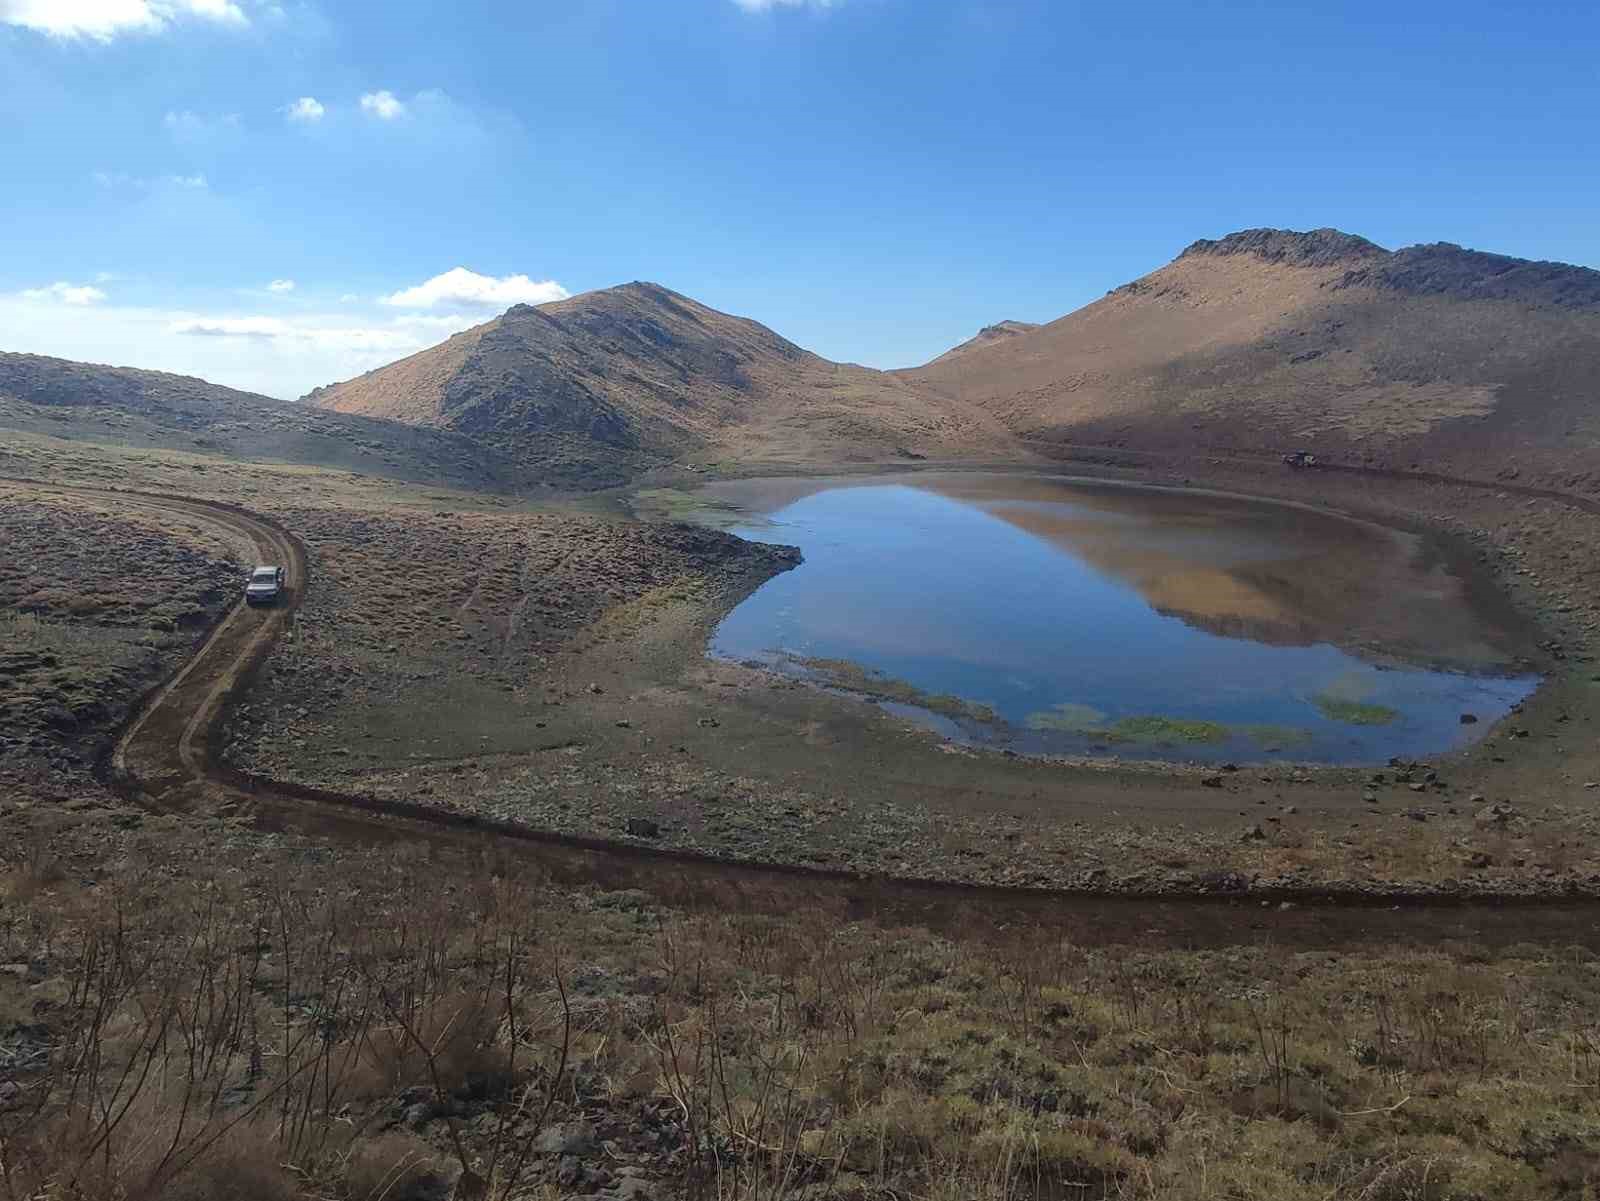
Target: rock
[[566, 1138], [709, 723], [1417, 787], [624, 725], [1497, 814], [1417, 815], [1469, 719], [632, 1188], [596, 689], [1253, 834], [1370, 798], [1290, 809], [1212, 781], [1479, 860], [643, 827], [1476, 798]]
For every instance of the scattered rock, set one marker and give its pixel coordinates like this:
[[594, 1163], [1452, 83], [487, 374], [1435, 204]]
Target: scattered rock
[[1253, 834], [1212, 781], [643, 827], [1479, 860], [566, 1138], [1497, 814]]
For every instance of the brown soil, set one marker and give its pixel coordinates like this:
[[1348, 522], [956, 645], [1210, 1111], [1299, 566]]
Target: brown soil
[[613, 717]]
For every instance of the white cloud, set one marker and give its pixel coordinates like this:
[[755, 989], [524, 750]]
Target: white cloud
[[192, 182], [307, 109], [62, 292], [281, 285], [459, 287], [382, 104], [103, 20], [231, 327]]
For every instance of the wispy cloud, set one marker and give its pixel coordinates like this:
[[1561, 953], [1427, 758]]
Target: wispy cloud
[[461, 288], [382, 104], [102, 20], [121, 179], [308, 110], [187, 126], [281, 286], [62, 292], [761, 6], [282, 355]]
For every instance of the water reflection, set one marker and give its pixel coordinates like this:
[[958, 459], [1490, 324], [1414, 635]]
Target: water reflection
[[1057, 618]]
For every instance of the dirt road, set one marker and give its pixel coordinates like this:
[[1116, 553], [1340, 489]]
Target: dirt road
[[164, 760]]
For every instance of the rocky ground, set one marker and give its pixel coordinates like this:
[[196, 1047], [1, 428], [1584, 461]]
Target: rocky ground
[[97, 602], [547, 669], [740, 1046]]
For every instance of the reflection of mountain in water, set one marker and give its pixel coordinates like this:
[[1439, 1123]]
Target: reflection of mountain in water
[[1273, 574]]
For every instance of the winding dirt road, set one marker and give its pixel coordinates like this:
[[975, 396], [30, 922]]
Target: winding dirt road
[[164, 760]]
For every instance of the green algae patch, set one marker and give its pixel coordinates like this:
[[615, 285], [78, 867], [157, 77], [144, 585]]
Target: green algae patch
[[1151, 729], [876, 686], [1354, 713], [1069, 718]]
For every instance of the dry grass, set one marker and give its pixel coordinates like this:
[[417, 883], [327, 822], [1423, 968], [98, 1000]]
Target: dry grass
[[275, 1024]]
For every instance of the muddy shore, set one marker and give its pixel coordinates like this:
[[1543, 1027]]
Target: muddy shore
[[623, 729]]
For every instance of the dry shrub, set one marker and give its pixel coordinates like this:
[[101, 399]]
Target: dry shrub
[[389, 1167]]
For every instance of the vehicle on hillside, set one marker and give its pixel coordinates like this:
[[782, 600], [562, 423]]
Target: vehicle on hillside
[[264, 586], [1300, 458]]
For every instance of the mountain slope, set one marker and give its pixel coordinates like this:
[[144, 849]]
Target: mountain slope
[[638, 375], [1449, 358], [989, 335], [129, 406]]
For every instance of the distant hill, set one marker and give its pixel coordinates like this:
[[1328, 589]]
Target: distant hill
[[128, 406], [989, 335], [1446, 358], [637, 375]]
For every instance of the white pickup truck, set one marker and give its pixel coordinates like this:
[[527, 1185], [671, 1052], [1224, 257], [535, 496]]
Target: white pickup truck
[[264, 587]]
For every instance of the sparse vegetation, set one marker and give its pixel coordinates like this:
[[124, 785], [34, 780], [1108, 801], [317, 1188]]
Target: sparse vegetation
[[876, 686], [221, 1016], [1355, 713]]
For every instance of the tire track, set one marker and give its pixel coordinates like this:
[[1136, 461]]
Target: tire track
[[163, 759]]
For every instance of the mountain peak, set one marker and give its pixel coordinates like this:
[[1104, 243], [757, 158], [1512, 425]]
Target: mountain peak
[[1295, 248]]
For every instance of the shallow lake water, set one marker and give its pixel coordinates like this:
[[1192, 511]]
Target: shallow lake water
[[1059, 617]]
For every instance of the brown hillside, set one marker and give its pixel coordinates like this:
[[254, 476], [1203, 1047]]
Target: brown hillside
[[1000, 331], [1449, 359], [126, 405], [638, 375]]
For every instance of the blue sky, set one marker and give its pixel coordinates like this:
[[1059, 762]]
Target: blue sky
[[260, 191]]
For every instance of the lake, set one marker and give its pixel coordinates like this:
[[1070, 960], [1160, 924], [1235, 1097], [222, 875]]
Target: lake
[[1057, 617]]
